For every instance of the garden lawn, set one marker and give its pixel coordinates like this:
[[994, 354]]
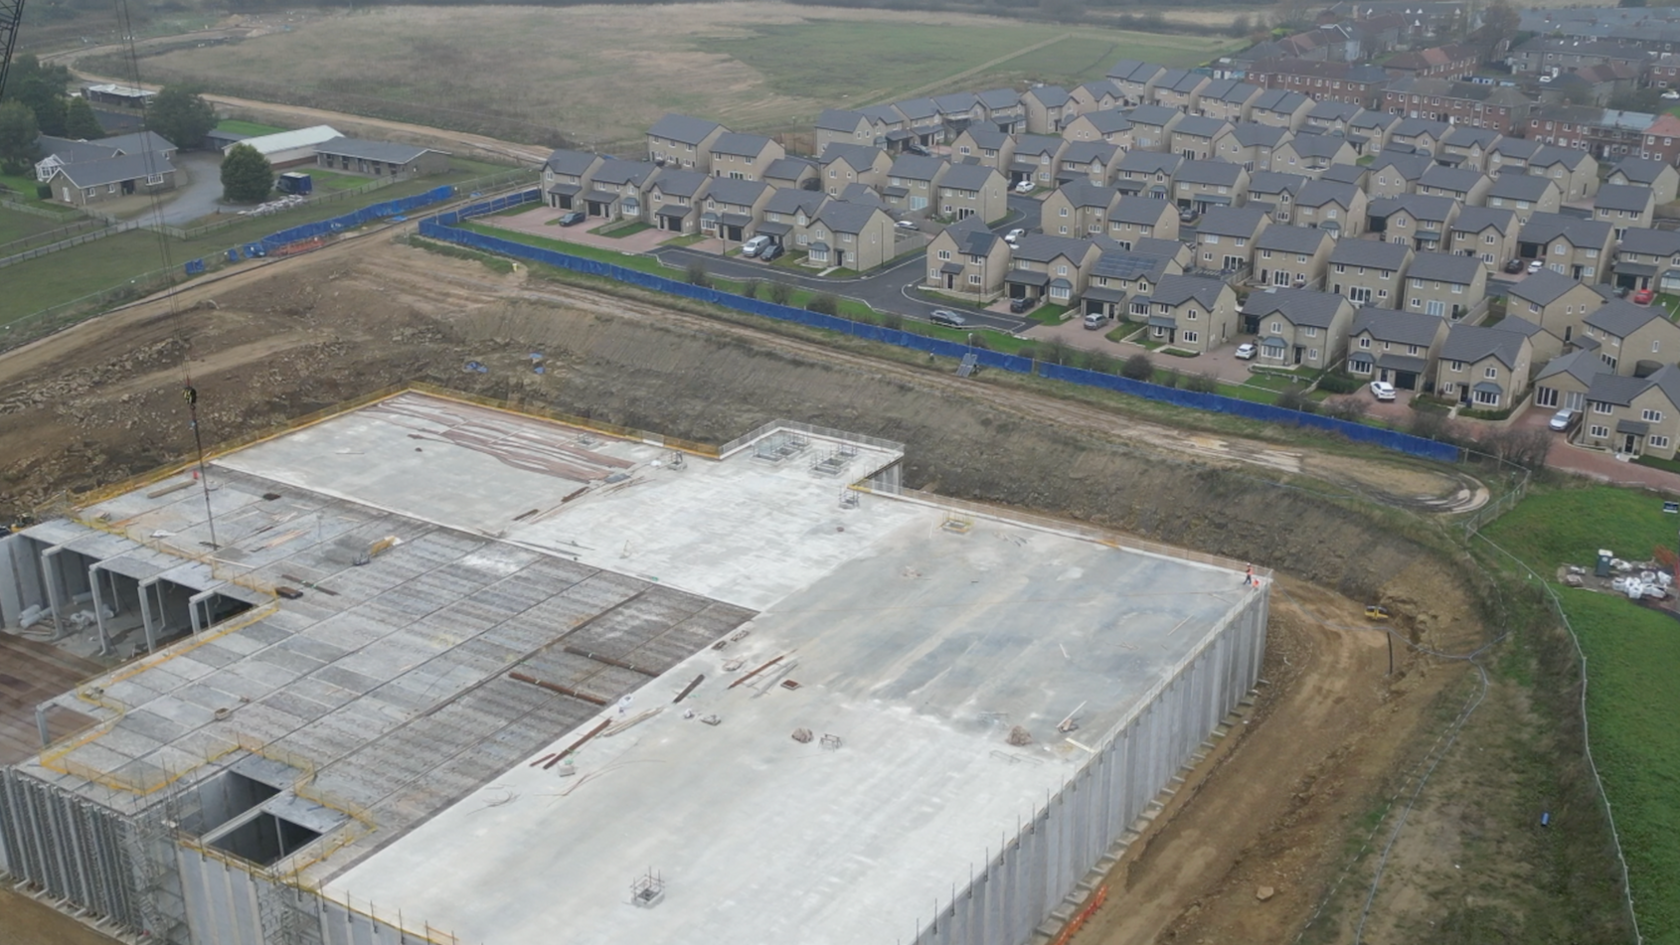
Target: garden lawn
[[15, 225], [1633, 655], [249, 129]]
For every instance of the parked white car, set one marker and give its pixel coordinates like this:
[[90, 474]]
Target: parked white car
[[1382, 390], [1536, 266], [1014, 235], [1562, 420], [1246, 351], [751, 247], [1024, 187]]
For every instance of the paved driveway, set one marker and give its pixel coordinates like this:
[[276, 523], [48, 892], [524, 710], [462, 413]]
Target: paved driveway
[[540, 222], [197, 194]]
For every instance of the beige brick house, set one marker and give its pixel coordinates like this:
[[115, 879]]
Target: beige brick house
[[966, 257], [1483, 368], [1225, 238], [1292, 256], [973, 190], [1299, 327], [684, 142], [1445, 285], [1141, 218], [1191, 313], [744, 157], [1554, 301], [1638, 416], [1488, 233], [1401, 348], [1369, 272], [1632, 339], [1524, 195]]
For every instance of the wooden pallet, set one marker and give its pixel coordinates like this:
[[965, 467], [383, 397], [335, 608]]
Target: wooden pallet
[[31, 673]]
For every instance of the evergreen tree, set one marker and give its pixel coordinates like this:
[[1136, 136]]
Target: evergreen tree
[[17, 138], [80, 122], [181, 117], [35, 92], [247, 177]]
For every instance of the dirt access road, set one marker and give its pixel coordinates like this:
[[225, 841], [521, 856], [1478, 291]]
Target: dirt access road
[[1272, 805]]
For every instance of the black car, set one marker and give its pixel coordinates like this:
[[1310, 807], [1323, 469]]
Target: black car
[[1020, 305], [914, 148], [1515, 265], [770, 252], [947, 318], [572, 218]]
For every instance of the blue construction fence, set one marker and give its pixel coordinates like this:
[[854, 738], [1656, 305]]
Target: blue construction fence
[[355, 218], [442, 227]]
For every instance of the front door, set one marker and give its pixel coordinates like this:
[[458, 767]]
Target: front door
[[950, 280], [1299, 352], [1630, 445]]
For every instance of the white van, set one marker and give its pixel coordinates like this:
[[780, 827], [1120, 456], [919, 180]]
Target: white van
[[751, 247]]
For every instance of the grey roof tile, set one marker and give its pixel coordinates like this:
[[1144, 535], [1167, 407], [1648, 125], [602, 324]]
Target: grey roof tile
[[1472, 343], [1455, 268], [1302, 307], [684, 129], [1371, 254], [1397, 327]]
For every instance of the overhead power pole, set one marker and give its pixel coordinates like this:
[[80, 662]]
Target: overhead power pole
[[11, 20]]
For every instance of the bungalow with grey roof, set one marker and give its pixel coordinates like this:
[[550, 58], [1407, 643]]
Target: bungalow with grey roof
[[1191, 313], [1047, 109], [846, 235], [1251, 145], [1483, 368], [734, 209], [1647, 258], [1636, 416], [89, 182], [1461, 184], [1633, 339], [380, 158], [1445, 284], [1147, 172], [1053, 268], [1524, 195], [1152, 126], [56, 152], [1199, 185], [966, 257], [1134, 219], [1094, 161], [844, 164], [1275, 192], [1339, 208], [1194, 136], [1569, 245], [1660, 176], [973, 190], [1298, 327], [1398, 347], [1488, 233], [1553, 301], [673, 199], [1368, 272], [1575, 172], [1111, 126], [566, 175], [1564, 381], [1624, 206], [1227, 99], [1420, 221], [986, 146], [744, 156], [683, 141], [1280, 107], [1293, 256]]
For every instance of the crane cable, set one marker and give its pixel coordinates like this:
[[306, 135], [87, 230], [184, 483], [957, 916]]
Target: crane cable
[[189, 392]]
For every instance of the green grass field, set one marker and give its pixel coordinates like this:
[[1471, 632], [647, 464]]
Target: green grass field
[[818, 58], [526, 73], [249, 129], [1633, 655], [15, 225], [105, 264]]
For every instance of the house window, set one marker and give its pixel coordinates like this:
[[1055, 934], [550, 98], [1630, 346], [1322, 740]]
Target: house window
[[1657, 442], [1487, 398], [1490, 372], [1191, 337], [944, 254], [1598, 432], [1603, 407], [1488, 239], [1456, 366], [1546, 396], [974, 278], [1365, 342], [1651, 416], [1312, 332]]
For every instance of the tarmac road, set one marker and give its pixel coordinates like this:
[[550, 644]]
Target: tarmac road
[[889, 290]]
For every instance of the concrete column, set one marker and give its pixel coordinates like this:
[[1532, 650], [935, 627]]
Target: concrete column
[[146, 615], [192, 609], [41, 723], [52, 580], [99, 609]]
